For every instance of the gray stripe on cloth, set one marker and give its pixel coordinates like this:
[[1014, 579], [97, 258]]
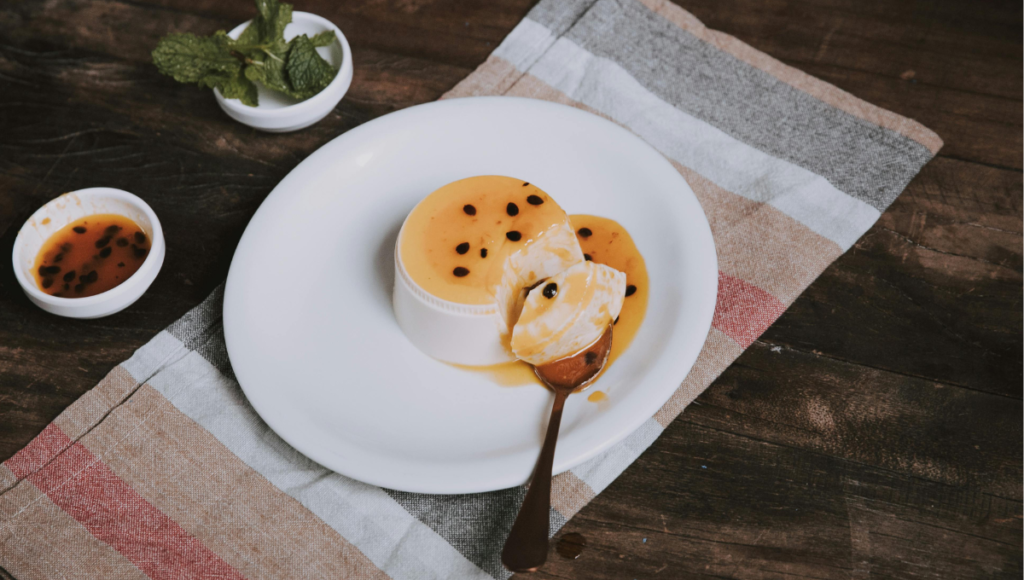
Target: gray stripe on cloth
[[475, 524], [559, 16], [871, 163], [555, 522], [606, 87], [202, 330]]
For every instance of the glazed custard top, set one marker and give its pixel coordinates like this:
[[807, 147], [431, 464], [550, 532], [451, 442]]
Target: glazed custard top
[[455, 242]]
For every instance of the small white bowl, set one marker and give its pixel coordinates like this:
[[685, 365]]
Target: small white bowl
[[279, 113], [66, 209]]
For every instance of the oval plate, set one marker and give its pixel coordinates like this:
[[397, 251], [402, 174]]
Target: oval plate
[[307, 307]]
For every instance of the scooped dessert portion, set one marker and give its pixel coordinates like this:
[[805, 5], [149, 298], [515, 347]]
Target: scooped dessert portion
[[490, 270], [568, 312]]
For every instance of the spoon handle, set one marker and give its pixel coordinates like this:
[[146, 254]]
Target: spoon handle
[[526, 548]]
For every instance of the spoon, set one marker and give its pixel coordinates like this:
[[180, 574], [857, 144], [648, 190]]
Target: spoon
[[526, 548]]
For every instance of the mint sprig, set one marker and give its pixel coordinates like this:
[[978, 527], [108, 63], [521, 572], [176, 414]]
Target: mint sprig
[[259, 55]]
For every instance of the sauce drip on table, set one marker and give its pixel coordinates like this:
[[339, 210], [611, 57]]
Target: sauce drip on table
[[571, 545], [90, 255]]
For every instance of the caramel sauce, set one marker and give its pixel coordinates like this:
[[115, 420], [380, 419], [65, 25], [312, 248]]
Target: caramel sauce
[[90, 255], [610, 244], [597, 397], [511, 374], [454, 241]]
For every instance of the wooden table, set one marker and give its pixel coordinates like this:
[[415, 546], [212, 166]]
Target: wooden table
[[875, 429]]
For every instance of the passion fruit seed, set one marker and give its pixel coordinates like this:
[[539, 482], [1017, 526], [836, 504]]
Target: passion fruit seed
[[483, 252], [512, 209], [630, 290], [105, 252], [139, 252], [462, 248], [460, 272], [122, 242], [550, 290], [58, 258], [111, 230], [585, 232], [48, 270], [470, 210], [587, 258], [102, 242], [535, 200], [78, 229], [79, 288], [47, 282], [590, 357], [514, 236], [69, 276], [140, 237], [525, 183], [120, 264], [92, 277]]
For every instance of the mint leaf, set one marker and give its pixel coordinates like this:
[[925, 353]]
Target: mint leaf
[[251, 34], [190, 58], [260, 54], [325, 38], [239, 87], [307, 71], [269, 72], [272, 18]]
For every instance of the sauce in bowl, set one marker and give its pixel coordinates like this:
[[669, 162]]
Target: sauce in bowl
[[90, 255]]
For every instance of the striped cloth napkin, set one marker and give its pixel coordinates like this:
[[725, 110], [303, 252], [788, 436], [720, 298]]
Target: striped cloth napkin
[[163, 470]]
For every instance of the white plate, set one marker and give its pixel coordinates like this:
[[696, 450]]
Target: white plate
[[307, 308]]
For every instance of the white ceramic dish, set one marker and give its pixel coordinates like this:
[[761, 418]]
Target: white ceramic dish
[[279, 113], [314, 342], [67, 208]]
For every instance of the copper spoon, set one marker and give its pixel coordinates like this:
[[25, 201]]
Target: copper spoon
[[526, 548]]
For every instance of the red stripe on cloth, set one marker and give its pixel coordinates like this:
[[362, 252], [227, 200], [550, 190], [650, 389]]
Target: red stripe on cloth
[[744, 311], [111, 510], [38, 452]]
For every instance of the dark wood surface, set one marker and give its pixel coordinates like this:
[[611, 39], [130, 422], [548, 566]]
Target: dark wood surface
[[874, 430]]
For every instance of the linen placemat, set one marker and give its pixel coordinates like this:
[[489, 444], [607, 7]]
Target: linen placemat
[[163, 470]]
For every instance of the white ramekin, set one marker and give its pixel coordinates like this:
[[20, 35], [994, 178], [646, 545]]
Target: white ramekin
[[279, 113], [463, 334], [66, 209]]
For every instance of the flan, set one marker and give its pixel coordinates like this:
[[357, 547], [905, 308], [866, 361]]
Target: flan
[[465, 258]]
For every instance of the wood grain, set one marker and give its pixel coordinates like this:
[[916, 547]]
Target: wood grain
[[874, 430]]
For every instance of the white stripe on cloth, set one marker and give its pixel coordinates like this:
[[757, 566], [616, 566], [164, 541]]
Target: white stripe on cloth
[[527, 42], [394, 540], [603, 85]]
